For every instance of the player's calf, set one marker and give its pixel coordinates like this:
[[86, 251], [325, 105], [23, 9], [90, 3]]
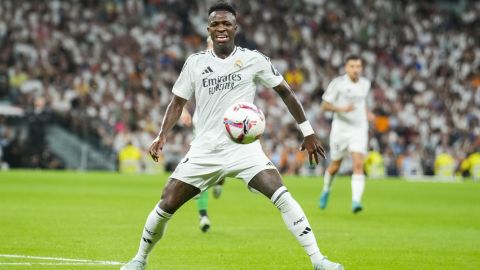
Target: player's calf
[[298, 224], [295, 219], [358, 187], [153, 231], [175, 194]]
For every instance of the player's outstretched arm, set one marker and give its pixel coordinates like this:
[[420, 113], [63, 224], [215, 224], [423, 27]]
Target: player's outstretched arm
[[310, 143], [174, 110]]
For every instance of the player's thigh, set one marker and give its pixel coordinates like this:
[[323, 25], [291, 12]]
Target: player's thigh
[[175, 194], [266, 182], [358, 158], [335, 164], [249, 162], [200, 169], [358, 149], [338, 147]]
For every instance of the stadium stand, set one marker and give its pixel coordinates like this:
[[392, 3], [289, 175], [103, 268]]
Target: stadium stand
[[103, 71]]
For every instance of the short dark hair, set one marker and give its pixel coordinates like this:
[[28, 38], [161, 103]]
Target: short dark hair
[[353, 57], [222, 6]]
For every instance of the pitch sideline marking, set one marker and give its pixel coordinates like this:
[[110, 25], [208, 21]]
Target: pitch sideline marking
[[66, 260]]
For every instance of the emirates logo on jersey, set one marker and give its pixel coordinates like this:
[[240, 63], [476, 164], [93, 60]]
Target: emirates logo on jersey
[[221, 83]]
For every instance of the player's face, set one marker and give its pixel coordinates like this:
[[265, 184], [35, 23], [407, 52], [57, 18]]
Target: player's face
[[222, 27], [354, 69]]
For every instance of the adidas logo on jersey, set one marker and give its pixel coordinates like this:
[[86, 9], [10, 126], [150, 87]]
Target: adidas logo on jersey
[[207, 70]]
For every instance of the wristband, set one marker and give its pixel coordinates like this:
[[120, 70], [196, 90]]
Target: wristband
[[306, 128]]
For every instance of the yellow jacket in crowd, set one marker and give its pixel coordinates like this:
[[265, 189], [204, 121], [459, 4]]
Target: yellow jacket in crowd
[[444, 165], [130, 159], [471, 165], [374, 165]]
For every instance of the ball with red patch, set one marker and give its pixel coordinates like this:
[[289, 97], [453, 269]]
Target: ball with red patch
[[244, 122]]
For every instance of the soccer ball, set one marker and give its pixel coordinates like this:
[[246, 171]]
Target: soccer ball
[[244, 122]]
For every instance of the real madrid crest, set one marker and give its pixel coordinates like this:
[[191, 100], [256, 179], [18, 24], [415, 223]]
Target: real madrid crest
[[238, 64]]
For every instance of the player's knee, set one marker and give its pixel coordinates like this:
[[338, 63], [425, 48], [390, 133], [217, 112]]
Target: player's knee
[[358, 171], [358, 168], [161, 213], [280, 198], [266, 182], [333, 169], [168, 204]]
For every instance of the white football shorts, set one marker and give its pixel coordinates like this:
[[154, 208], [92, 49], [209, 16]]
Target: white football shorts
[[203, 168], [344, 143]]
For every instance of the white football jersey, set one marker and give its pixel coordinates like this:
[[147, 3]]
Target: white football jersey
[[343, 91], [218, 83]]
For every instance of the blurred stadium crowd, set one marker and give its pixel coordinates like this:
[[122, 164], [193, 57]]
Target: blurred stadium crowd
[[104, 70]]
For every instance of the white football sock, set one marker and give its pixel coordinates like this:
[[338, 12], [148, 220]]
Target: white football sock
[[297, 223], [327, 181], [358, 186], [154, 228]]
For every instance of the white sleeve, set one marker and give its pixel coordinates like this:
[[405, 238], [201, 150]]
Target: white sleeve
[[184, 86], [330, 94], [267, 74]]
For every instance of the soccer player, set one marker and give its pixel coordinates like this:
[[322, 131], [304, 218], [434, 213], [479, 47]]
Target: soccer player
[[346, 97], [217, 79]]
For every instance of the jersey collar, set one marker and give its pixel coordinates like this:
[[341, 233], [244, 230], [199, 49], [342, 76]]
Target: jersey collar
[[231, 54], [350, 80]]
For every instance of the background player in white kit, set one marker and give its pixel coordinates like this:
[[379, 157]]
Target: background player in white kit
[[346, 97], [219, 78]]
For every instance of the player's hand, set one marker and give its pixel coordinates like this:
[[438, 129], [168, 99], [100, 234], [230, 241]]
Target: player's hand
[[157, 146], [313, 147], [348, 108], [371, 116]]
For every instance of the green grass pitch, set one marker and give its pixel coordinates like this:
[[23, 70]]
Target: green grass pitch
[[99, 216]]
